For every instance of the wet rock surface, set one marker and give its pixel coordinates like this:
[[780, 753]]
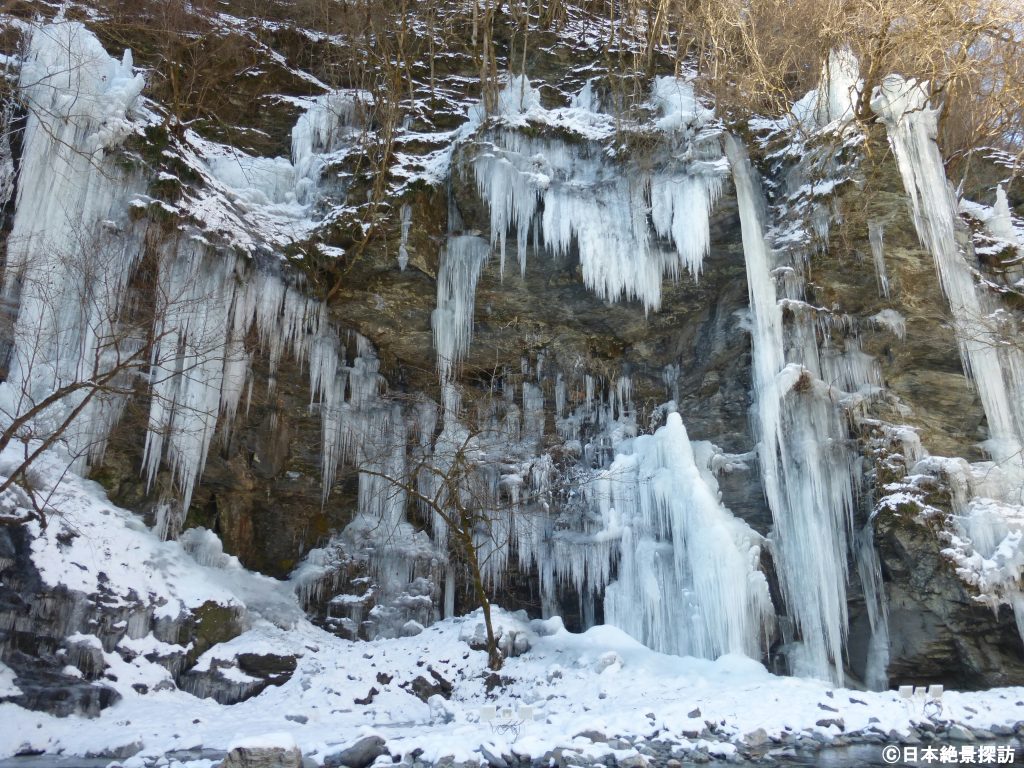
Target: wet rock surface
[[235, 680], [360, 755]]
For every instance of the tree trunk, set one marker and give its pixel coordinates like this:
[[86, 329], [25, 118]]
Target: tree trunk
[[494, 660]]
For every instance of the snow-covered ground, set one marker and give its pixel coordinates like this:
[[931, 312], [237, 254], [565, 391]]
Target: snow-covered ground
[[601, 683]]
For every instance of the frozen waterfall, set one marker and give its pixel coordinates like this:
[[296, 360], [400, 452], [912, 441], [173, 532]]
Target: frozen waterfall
[[72, 250], [73, 255], [805, 466], [689, 579], [995, 368], [988, 512]]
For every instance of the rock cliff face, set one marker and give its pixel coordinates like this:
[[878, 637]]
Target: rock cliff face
[[559, 375]]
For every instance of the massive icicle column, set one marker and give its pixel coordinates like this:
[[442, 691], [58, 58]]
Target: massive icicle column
[[805, 469], [71, 251], [688, 570]]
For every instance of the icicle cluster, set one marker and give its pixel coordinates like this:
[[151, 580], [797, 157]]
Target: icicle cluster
[[996, 369], [461, 262], [688, 578], [805, 467], [200, 364], [73, 253], [570, 193]]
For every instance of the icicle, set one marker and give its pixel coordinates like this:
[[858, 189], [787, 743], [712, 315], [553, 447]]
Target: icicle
[[560, 396], [586, 100], [670, 376], [533, 412], [680, 210], [851, 370], [892, 321], [188, 364], [869, 568], [912, 127], [403, 248], [876, 230], [461, 263], [834, 101], [676, 99], [1000, 223], [7, 171], [840, 88], [804, 466]]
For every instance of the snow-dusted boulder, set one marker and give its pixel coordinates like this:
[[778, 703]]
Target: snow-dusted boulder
[[359, 755], [275, 750]]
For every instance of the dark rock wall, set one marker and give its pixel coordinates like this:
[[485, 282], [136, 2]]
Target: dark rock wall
[[60, 673]]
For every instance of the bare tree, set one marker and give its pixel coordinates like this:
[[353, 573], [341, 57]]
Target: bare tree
[[464, 481], [761, 55]]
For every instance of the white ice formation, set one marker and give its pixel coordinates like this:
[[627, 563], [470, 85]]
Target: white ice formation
[[567, 192], [75, 252], [834, 101], [277, 196], [677, 570], [689, 579], [461, 263], [876, 238], [996, 369], [986, 495], [805, 465], [69, 256]]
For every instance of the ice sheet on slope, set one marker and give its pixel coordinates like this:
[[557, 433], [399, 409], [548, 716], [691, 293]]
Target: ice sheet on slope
[[276, 197], [91, 543]]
